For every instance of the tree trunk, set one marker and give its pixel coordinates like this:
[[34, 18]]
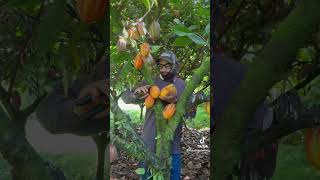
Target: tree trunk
[[267, 69]]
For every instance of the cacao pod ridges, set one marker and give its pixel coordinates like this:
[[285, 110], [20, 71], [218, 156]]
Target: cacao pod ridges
[[138, 62], [168, 90], [149, 102], [154, 30], [169, 111]]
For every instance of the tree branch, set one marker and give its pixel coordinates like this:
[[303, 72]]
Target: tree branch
[[308, 119], [268, 68]]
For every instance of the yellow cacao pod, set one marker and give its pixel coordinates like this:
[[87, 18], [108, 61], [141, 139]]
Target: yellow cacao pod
[[169, 111], [168, 90], [144, 49], [154, 92], [149, 102], [138, 61], [154, 30], [207, 107], [91, 10]]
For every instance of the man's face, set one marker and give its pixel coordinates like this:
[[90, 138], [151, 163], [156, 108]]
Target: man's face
[[164, 67]]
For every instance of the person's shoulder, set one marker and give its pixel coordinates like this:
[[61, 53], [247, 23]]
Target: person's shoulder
[[179, 80]]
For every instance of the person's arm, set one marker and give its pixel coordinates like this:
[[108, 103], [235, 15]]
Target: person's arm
[[135, 95]]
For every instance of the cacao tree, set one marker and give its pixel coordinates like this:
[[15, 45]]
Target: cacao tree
[[43, 43], [169, 25], [282, 57]]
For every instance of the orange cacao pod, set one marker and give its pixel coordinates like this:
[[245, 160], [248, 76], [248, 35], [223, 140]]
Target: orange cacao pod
[[154, 92], [149, 102], [312, 146], [207, 107], [138, 61], [91, 10], [169, 111], [144, 49], [133, 33]]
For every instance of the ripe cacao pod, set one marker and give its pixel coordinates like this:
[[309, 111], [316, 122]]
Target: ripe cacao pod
[[154, 30], [144, 49], [154, 92], [207, 107], [138, 61], [91, 10], [141, 27], [133, 33], [169, 111], [312, 146], [169, 90], [149, 102], [122, 44]]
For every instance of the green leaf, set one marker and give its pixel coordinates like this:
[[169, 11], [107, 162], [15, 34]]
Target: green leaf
[[197, 39], [155, 49], [181, 30], [158, 137], [140, 171], [182, 41], [146, 4], [51, 26], [193, 27]]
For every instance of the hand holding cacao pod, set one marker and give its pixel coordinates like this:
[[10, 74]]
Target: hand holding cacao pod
[[142, 92]]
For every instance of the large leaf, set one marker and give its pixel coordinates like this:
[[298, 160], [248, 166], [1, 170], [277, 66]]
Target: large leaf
[[146, 3], [197, 39], [182, 41], [181, 30]]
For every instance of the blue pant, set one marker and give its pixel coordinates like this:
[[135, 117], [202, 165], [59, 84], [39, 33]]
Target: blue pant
[[175, 171]]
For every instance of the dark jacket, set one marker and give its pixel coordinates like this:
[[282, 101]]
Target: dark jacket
[[149, 128], [55, 112]]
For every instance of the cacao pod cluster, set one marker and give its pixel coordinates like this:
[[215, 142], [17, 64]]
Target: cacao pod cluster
[[312, 146], [136, 31], [91, 11], [155, 92]]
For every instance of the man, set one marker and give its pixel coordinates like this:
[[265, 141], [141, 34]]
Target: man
[[57, 112], [168, 68], [227, 76]]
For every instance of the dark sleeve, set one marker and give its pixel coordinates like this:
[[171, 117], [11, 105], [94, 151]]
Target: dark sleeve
[[128, 96], [56, 114]]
